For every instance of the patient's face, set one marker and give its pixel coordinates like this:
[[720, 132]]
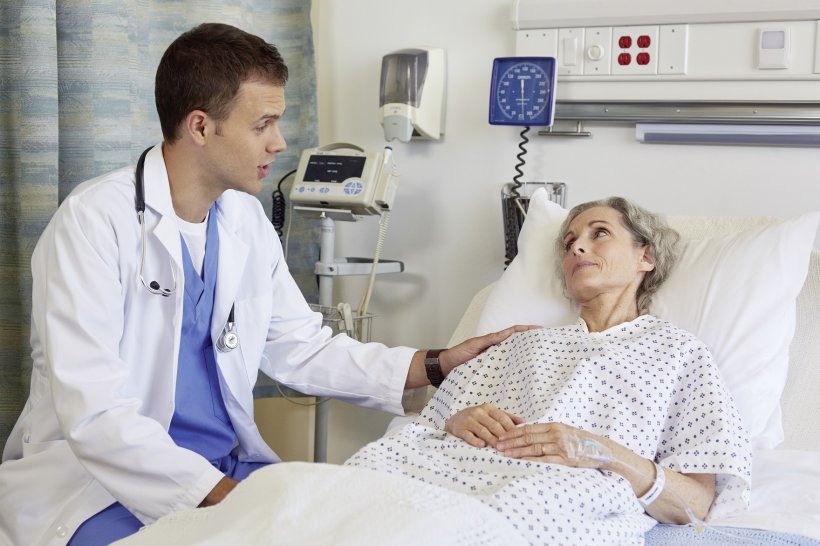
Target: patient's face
[[601, 257]]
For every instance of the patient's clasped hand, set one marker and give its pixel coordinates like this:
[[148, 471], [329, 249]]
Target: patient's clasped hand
[[579, 434]]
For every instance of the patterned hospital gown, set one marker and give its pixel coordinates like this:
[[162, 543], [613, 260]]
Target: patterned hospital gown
[[645, 384]]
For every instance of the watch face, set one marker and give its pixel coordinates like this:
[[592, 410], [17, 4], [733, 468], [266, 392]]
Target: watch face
[[522, 91]]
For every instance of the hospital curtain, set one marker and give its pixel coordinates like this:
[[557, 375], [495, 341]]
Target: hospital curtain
[[76, 100]]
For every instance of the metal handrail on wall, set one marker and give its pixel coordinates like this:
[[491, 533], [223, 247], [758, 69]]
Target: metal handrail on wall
[[787, 113]]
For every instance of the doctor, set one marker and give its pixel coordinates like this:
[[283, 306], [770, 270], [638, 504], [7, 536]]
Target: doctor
[[141, 394]]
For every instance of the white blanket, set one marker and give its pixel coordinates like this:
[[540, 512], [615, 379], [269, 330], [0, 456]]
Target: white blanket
[[645, 384], [322, 504]]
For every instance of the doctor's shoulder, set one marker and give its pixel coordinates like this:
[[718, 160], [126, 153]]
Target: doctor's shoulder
[[106, 200], [111, 192]]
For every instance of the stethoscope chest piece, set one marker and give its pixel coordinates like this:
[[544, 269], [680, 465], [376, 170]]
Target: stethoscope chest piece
[[229, 340]]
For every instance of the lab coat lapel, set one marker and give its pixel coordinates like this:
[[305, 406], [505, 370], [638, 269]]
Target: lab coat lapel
[[233, 255], [158, 198]]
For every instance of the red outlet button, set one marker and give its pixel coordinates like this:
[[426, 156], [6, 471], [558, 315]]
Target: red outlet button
[[625, 42], [624, 59], [642, 58], [644, 41]]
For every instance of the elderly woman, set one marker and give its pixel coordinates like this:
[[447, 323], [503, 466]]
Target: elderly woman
[[579, 434]]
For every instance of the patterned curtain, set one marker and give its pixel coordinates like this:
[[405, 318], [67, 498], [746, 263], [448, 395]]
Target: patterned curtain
[[77, 100]]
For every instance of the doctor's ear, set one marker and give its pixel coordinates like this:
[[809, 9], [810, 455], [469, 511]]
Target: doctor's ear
[[198, 126]]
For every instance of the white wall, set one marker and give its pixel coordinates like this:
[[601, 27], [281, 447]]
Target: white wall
[[446, 226]]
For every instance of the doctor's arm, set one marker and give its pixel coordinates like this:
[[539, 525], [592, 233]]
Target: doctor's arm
[[219, 492], [457, 355]]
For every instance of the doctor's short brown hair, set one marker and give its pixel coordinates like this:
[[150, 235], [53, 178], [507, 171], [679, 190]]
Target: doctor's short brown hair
[[203, 68]]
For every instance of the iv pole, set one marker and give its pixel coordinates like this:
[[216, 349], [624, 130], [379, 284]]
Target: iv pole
[[378, 201], [327, 268], [326, 250]]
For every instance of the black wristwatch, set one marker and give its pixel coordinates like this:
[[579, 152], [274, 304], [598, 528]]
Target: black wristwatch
[[433, 367]]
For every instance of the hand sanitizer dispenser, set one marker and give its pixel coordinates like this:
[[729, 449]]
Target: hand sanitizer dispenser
[[412, 95]]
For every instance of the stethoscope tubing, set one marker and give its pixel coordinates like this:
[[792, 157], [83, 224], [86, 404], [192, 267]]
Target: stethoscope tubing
[[229, 339]]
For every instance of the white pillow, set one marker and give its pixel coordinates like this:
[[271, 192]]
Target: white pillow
[[736, 292], [528, 292]]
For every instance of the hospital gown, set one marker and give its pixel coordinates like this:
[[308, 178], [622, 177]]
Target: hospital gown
[[645, 384]]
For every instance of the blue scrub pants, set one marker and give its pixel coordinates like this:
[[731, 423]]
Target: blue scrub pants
[[116, 522]]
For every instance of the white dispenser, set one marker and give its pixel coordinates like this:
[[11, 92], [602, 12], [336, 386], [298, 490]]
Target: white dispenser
[[412, 94]]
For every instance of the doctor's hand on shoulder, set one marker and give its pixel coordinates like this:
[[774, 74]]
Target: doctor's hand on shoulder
[[431, 367], [471, 348]]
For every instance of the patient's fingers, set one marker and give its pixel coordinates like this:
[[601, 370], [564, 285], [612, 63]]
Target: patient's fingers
[[525, 435], [496, 422], [545, 452], [555, 443], [527, 440], [484, 423], [465, 425], [473, 440], [506, 421]]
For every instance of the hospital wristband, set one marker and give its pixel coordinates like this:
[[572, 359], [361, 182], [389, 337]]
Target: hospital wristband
[[657, 488], [433, 367]]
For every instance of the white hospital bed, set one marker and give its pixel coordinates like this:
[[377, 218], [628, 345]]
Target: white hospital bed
[[786, 480], [327, 504], [785, 500]]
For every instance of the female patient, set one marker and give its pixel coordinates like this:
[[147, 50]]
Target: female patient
[[576, 433]]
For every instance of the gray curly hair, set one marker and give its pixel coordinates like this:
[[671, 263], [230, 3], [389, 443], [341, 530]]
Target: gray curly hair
[[647, 229]]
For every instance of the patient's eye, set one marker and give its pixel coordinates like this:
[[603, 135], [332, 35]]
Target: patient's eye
[[600, 232]]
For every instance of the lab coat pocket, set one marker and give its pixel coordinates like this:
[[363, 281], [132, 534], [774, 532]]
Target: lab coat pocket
[[253, 316], [33, 448], [216, 391]]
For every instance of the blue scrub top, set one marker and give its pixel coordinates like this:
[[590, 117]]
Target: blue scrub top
[[201, 422]]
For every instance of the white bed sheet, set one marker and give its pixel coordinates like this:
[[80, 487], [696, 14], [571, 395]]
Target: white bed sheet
[[785, 494], [324, 504], [303, 503]]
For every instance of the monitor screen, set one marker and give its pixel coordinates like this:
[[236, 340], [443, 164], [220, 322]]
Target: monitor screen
[[333, 168]]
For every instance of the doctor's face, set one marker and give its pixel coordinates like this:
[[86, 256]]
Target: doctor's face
[[247, 141]]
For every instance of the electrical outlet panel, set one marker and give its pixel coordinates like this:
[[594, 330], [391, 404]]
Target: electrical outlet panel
[[712, 60], [635, 50]]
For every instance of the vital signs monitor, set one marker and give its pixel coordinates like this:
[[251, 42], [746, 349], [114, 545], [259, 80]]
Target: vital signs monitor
[[345, 176]]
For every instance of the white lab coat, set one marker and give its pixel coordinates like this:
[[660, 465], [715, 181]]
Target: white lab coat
[[94, 429]]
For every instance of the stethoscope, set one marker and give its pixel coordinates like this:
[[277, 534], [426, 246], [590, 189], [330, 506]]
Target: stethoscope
[[229, 339]]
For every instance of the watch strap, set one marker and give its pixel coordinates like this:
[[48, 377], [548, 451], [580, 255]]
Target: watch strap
[[433, 367]]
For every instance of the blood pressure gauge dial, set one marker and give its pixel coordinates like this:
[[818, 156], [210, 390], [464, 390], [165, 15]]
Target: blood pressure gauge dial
[[522, 91]]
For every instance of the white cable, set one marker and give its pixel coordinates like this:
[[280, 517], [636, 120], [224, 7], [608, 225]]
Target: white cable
[[319, 399], [287, 231], [520, 206], [383, 223]]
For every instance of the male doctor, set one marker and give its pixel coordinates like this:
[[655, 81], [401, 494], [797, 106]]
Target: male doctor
[[139, 405]]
